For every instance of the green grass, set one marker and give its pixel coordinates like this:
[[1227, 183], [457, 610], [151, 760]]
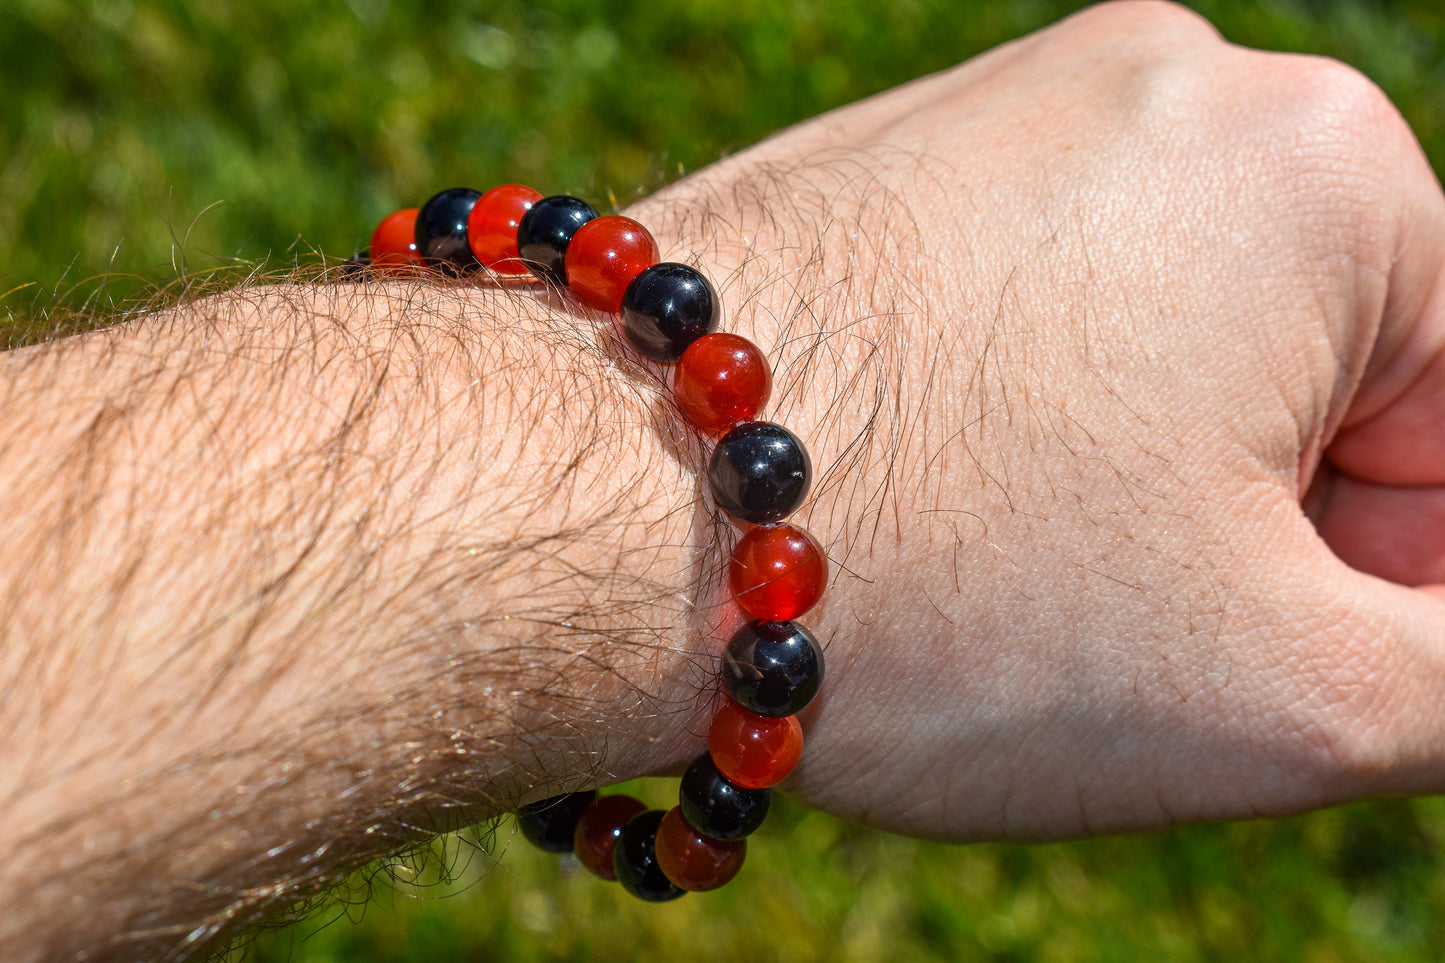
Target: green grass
[[150, 139], [155, 136], [1355, 884]]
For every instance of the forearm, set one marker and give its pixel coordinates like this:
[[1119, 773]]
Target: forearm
[[296, 573]]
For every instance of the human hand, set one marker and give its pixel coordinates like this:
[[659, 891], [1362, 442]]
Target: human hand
[[1118, 351]]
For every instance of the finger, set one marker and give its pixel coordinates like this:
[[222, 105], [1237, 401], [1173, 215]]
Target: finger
[[1396, 532], [1394, 434], [1382, 699], [1352, 670], [1378, 500], [1391, 433]]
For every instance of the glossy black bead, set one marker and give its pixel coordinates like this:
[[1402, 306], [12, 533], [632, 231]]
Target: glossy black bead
[[634, 859], [772, 668], [355, 268], [441, 230], [666, 308], [717, 807], [546, 230], [759, 472], [548, 823]]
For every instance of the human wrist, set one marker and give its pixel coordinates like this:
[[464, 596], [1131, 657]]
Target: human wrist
[[758, 474]]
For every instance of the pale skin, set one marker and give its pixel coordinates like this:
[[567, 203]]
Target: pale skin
[[1118, 352]]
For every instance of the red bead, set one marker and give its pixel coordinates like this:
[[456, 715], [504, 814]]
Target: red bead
[[604, 256], [754, 751], [492, 227], [598, 829], [393, 243], [778, 572], [721, 381], [693, 861]]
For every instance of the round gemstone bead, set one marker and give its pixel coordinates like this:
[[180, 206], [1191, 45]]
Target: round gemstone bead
[[718, 808], [605, 255], [634, 860], [492, 227], [355, 267], [550, 823], [751, 750], [759, 472], [393, 243], [441, 230], [598, 829], [693, 861], [721, 380], [772, 668], [666, 308], [777, 572], [545, 232]]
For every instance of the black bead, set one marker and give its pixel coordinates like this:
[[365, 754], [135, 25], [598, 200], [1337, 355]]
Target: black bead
[[546, 230], [355, 268], [759, 472], [441, 230], [716, 807], [549, 823], [666, 308], [772, 668], [634, 859]]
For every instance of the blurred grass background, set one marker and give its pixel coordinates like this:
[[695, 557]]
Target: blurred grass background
[[142, 139]]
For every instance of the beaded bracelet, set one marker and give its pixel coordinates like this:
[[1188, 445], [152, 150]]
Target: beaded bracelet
[[758, 473]]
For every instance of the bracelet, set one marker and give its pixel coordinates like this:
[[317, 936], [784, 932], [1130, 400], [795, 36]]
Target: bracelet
[[758, 473]]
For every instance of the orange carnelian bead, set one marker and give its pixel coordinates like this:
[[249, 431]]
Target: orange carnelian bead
[[597, 831], [604, 256], [693, 861], [721, 380], [778, 572], [393, 243], [754, 751], [492, 226]]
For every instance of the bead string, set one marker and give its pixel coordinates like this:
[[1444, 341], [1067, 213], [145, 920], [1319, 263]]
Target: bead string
[[758, 473]]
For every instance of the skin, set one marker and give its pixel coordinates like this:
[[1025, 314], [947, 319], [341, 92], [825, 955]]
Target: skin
[[1116, 350], [1145, 526]]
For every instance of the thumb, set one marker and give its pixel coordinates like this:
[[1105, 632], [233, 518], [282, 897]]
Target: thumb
[[1372, 668]]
